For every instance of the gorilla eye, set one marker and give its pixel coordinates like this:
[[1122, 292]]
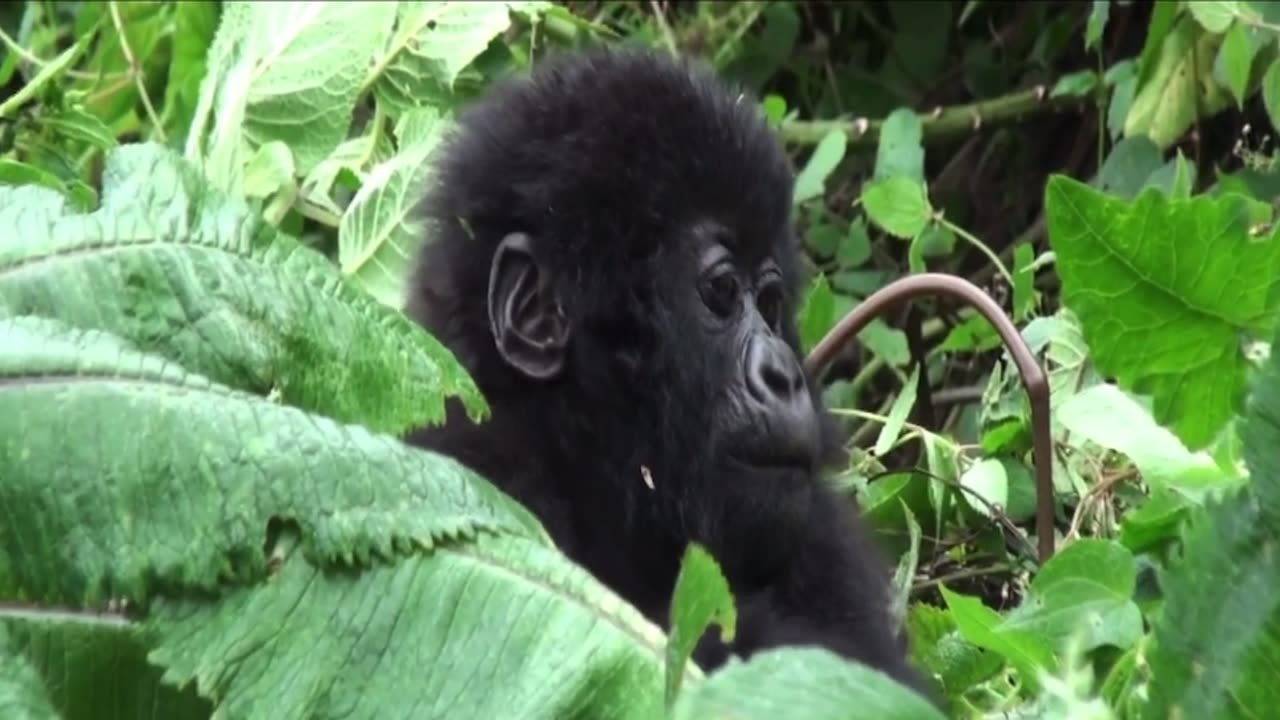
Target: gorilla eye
[[720, 291], [769, 302]]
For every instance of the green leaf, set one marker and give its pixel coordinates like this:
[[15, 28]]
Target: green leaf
[[900, 150], [1129, 166], [898, 413], [269, 171], [1236, 59], [499, 628], [1180, 87], [817, 315], [937, 646], [22, 693], [182, 271], [1086, 588], [1271, 92], [811, 181], [1214, 15], [855, 247], [899, 205], [1106, 416], [1076, 84], [1024, 291], [292, 566], [1164, 291], [380, 232], [801, 683], [182, 493], [982, 626], [988, 480], [1097, 23], [76, 124], [433, 43], [701, 598], [1218, 633], [1157, 521], [265, 83], [93, 665]]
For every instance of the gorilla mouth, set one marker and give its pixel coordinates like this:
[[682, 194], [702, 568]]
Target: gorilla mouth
[[775, 462]]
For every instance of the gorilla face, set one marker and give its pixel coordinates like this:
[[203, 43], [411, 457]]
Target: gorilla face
[[763, 416]]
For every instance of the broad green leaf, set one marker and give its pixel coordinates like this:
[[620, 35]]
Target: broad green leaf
[[432, 44], [1217, 636], [1155, 522], [825, 157], [701, 598], [266, 84], [1271, 92], [986, 478], [1086, 588], [855, 247], [1128, 167], [502, 627], [382, 231], [1164, 291], [898, 204], [23, 695], [93, 665], [1180, 88], [801, 683], [182, 492], [1105, 415], [983, 627], [1214, 15], [1175, 178], [350, 158], [16, 172], [269, 171], [76, 124], [179, 269], [938, 647], [900, 150], [1236, 60], [817, 315]]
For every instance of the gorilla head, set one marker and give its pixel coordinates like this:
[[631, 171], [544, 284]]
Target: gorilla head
[[613, 260]]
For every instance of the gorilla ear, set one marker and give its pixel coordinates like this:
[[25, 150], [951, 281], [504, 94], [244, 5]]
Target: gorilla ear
[[526, 321]]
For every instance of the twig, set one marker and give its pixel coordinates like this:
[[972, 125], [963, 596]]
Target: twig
[[941, 123], [135, 69], [47, 74], [964, 574]]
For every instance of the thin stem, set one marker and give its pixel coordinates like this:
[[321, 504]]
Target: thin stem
[[969, 237], [136, 70]]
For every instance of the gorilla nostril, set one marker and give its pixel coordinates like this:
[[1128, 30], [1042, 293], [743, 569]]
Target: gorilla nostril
[[772, 373]]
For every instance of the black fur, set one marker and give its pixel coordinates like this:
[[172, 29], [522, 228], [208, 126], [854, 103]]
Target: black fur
[[615, 162]]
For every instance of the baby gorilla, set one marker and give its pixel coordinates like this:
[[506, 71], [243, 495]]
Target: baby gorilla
[[613, 261]]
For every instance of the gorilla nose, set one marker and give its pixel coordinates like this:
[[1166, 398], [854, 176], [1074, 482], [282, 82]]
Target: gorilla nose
[[773, 375], [776, 383]]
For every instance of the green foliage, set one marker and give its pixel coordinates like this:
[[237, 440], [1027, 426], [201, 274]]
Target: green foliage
[[1165, 289], [208, 212], [180, 269]]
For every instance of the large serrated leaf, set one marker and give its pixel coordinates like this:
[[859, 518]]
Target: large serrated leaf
[[499, 628], [121, 472], [94, 666], [1218, 636], [432, 44], [801, 682], [1165, 290], [381, 230], [22, 694], [284, 71], [181, 270]]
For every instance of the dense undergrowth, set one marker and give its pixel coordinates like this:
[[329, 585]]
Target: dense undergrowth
[[204, 225]]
